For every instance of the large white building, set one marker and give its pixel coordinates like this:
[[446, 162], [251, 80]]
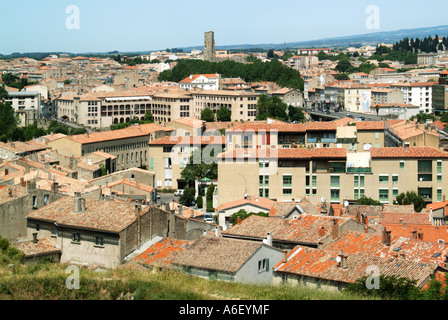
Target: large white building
[[26, 105], [417, 94], [201, 81]]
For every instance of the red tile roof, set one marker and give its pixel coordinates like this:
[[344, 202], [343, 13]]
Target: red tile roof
[[162, 253], [413, 152], [251, 200], [299, 153], [189, 141]]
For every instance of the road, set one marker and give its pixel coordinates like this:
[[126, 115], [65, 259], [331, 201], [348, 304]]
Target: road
[[339, 115], [74, 125]]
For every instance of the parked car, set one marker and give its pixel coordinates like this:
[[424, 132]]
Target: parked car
[[179, 192], [208, 218], [327, 112], [349, 115], [361, 119]]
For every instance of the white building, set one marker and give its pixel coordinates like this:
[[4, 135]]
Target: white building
[[417, 94], [26, 105], [201, 81]]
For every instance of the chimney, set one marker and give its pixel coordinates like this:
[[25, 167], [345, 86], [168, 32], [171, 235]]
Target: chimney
[[285, 256], [403, 255], [269, 239], [55, 187], [218, 232], [77, 202], [204, 232], [22, 182], [239, 220], [386, 237], [6, 172], [335, 229], [138, 210], [192, 213], [321, 232], [180, 208], [35, 238]]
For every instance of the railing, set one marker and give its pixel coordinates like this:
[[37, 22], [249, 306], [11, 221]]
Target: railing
[[328, 140], [359, 170]]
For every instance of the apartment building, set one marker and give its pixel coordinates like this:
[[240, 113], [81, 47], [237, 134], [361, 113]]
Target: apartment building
[[26, 105], [440, 94], [243, 105], [386, 95], [332, 175], [129, 145], [169, 155], [417, 94]]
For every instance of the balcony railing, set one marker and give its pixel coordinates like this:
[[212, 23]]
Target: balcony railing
[[359, 170]]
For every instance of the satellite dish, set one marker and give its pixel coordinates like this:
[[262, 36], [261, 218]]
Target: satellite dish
[[323, 199], [346, 203], [338, 259]]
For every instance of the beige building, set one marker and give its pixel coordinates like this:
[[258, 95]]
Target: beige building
[[169, 155], [243, 105], [93, 232], [332, 174], [129, 145], [384, 96]]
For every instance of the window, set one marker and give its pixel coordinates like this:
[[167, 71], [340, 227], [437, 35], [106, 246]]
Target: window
[[287, 181], [99, 241], [377, 135], [314, 181], [384, 195], [46, 199], [439, 195], [335, 181], [287, 192], [395, 193], [356, 183], [263, 265], [34, 202], [401, 165], [76, 237], [439, 178], [54, 233], [439, 167], [335, 195], [384, 179], [394, 179]]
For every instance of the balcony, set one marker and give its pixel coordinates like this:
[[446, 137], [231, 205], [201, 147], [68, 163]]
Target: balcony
[[359, 170], [328, 140]]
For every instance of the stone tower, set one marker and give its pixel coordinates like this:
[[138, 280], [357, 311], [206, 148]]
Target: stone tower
[[209, 46]]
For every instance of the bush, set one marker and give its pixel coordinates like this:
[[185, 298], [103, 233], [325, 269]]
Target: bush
[[200, 202]]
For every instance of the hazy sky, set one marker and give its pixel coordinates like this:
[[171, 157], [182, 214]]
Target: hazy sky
[[140, 25]]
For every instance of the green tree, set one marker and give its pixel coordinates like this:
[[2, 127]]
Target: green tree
[[411, 197], [209, 197], [207, 115], [8, 121], [296, 114], [199, 202], [271, 107], [197, 169], [365, 201], [343, 66], [224, 114], [243, 214], [149, 118], [187, 197], [271, 54]]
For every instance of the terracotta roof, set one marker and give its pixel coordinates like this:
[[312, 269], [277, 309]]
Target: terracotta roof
[[221, 254], [402, 218], [99, 215], [31, 249], [436, 206], [276, 126], [413, 152], [306, 229], [130, 132], [21, 147], [369, 125], [162, 253], [251, 200], [321, 264], [10, 193], [190, 122], [430, 233], [299, 153], [190, 141]]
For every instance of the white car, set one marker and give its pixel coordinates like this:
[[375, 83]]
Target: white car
[[178, 192]]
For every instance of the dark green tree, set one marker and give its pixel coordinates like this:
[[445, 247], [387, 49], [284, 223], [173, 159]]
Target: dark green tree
[[224, 114], [411, 197], [271, 107], [209, 197], [207, 115], [187, 197]]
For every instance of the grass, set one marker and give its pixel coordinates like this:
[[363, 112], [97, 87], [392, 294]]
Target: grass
[[47, 281]]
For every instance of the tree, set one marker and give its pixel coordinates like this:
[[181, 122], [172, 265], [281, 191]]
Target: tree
[[243, 214], [149, 118], [271, 54], [195, 171], [8, 121], [209, 197], [207, 115], [296, 114], [343, 66], [411, 197], [364, 201], [187, 197], [224, 114], [271, 107], [199, 202]]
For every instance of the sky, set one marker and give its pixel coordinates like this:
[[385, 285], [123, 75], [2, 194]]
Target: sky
[[145, 25]]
